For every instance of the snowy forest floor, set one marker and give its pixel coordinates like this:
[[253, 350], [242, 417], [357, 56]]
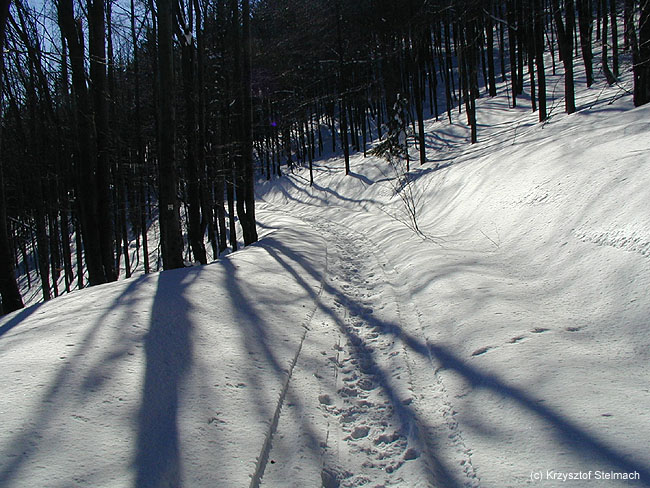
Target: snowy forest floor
[[505, 344]]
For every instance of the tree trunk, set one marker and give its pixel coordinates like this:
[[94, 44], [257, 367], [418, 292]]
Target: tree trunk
[[628, 24], [512, 42], [642, 58], [249, 224], [608, 73], [565, 41], [79, 248], [418, 67], [585, 24], [170, 227], [195, 236], [87, 146], [11, 299], [538, 13], [97, 52], [489, 30], [141, 163], [342, 87], [612, 13]]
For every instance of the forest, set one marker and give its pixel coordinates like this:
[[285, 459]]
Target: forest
[[116, 114]]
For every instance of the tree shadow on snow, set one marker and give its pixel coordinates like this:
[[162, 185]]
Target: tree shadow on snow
[[258, 344], [22, 447], [17, 318], [582, 442], [168, 350], [411, 424]]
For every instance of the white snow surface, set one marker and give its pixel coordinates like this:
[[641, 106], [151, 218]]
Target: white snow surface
[[506, 344]]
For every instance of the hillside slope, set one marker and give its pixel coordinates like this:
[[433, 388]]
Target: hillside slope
[[530, 280], [505, 343]]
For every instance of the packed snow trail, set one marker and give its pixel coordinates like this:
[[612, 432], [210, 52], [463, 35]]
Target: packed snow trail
[[355, 413]]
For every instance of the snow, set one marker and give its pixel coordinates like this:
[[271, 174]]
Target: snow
[[139, 381], [506, 344]]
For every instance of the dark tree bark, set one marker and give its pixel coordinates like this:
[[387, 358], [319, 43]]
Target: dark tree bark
[[470, 62], [642, 58], [97, 52], [191, 131], [342, 88], [585, 24], [170, 228], [565, 32], [446, 66], [489, 30], [66, 210], [249, 226], [502, 48], [521, 43], [531, 63], [512, 43], [612, 13], [538, 13], [139, 149], [11, 299], [207, 204], [418, 67], [86, 173], [220, 210], [609, 76], [79, 249], [628, 24], [235, 184]]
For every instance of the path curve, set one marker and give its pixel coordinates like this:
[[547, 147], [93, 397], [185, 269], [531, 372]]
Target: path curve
[[356, 406]]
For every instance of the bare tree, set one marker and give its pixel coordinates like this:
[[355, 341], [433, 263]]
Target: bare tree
[[11, 299], [86, 173], [565, 29], [642, 58], [169, 208]]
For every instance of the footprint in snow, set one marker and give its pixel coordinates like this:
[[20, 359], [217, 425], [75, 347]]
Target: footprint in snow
[[366, 384], [387, 438], [349, 416], [349, 379], [325, 400], [365, 404], [514, 340], [348, 392], [482, 350], [360, 432], [331, 478], [410, 454]]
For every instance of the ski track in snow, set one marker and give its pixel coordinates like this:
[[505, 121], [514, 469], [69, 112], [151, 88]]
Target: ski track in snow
[[370, 418]]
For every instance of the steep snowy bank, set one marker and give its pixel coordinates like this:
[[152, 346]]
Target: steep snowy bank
[[533, 287]]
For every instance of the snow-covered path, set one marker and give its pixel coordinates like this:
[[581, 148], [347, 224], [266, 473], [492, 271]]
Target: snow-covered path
[[363, 420], [370, 332], [524, 317]]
